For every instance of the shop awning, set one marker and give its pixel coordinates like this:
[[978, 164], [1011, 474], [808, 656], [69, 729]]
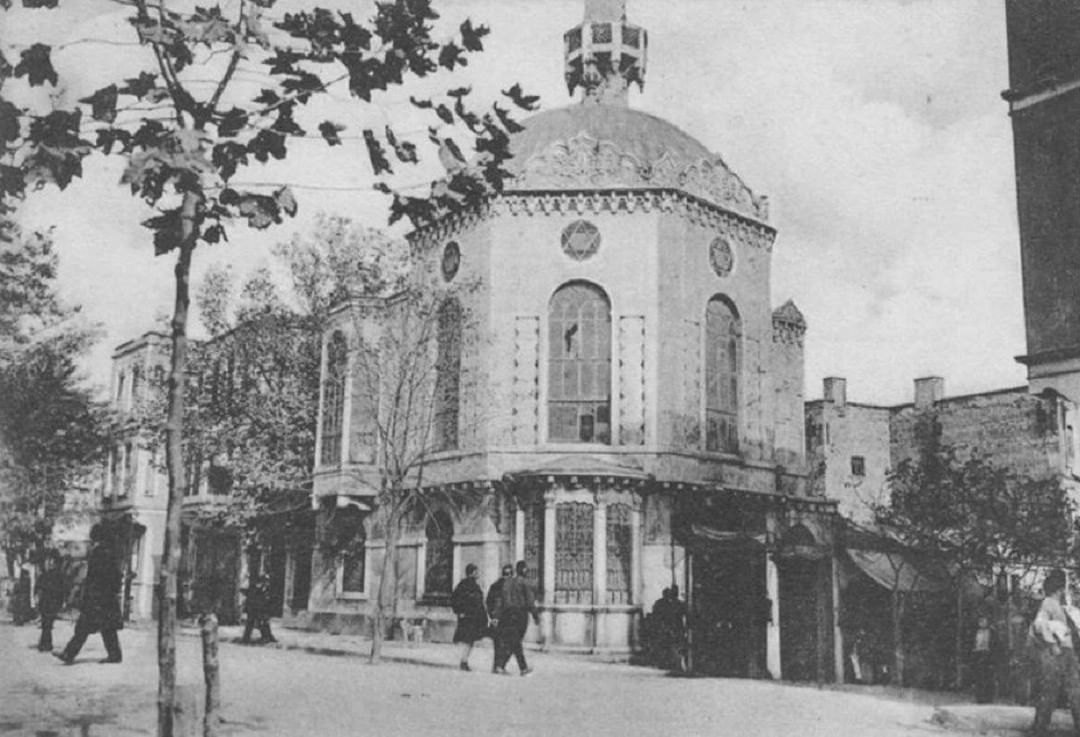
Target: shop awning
[[581, 465], [723, 538], [895, 570]]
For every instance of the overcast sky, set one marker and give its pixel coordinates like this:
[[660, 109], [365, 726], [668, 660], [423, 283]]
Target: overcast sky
[[876, 127]]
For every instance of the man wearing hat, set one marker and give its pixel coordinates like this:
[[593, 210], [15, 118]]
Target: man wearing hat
[[1052, 631]]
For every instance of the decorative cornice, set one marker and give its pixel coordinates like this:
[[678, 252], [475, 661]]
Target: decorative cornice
[[515, 202], [700, 212], [789, 325], [585, 162]]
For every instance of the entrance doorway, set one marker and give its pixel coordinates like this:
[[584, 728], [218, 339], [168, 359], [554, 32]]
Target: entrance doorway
[[728, 613], [801, 619]]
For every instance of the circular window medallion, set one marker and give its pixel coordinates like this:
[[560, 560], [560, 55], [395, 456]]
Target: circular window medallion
[[721, 257], [580, 240], [451, 260]]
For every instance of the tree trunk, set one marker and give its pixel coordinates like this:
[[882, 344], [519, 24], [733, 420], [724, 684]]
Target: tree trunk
[[174, 424], [959, 634], [898, 637], [211, 675], [381, 600]]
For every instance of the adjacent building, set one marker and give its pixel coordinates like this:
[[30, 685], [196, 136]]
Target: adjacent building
[[610, 379]]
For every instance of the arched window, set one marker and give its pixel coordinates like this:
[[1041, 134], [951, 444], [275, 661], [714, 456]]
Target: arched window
[[579, 365], [333, 401], [439, 557], [722, 333], [448, 376]]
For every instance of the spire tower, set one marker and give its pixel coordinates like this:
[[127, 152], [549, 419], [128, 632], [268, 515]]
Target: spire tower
[[605, 54]]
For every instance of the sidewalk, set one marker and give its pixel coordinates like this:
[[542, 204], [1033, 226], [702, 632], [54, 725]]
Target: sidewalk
[[999, 720], [431, 654]]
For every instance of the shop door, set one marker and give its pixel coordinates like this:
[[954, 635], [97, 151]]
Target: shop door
[[799, 606], [727, 631], [301, 578]]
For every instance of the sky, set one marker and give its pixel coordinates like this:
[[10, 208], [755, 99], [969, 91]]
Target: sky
[[876, 128]]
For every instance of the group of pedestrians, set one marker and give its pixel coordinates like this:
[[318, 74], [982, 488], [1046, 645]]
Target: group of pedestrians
[[502, 615]]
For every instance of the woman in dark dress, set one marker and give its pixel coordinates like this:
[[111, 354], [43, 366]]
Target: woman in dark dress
[[467, 601]]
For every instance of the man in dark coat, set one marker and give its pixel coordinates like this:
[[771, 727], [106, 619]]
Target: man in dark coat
[[99, 610], [467, 601], [669, 629], [257, 609], [50, 596], [516, 602], [494, 597]]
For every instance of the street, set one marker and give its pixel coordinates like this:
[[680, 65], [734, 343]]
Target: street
[[282, 692]]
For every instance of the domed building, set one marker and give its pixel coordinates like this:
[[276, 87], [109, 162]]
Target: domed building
[[614, 399]]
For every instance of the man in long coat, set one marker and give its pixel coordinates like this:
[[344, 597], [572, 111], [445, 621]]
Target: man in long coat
[[494, 598], [99, 610], [467, 601], [516, 602]]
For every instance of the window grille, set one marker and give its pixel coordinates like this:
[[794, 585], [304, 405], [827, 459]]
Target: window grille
[[618, 554], [574, 553], [448, 376], [439, 557]]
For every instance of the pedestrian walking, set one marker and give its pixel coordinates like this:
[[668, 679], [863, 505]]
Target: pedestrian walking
[[50, 597], [22, 605], [467, 602], [493, 601], [982, 669], [516, 601], [1052, 633], [669, 628], [257, 611], [99, 609]]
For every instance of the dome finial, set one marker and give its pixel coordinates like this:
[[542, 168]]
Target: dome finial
[[605, 54]]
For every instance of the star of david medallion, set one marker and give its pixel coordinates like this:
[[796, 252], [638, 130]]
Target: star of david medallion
[[721, 257]]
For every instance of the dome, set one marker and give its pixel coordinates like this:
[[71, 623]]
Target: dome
[[616, 147]]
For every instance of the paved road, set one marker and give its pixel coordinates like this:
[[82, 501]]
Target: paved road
[[286, 693]]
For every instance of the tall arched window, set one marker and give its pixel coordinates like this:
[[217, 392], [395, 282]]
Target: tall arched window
[[722, 333], [333, 400], [448, 375], [579, 365], [439, 557]]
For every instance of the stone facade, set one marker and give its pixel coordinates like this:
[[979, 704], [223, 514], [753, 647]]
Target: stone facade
[[628, 410]]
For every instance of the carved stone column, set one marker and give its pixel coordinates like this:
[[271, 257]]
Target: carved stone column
[[518, 552], [548, 620], [599, 571], [635, 552]]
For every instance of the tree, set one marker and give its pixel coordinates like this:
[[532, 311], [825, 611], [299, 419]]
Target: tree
[[982, 519], [52, 433], [407, 374], [184, 139]]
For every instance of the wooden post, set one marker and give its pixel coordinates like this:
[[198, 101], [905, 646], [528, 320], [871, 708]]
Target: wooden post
[[211, 674]]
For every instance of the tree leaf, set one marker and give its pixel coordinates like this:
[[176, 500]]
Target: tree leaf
[[445, 114], [227, 156], [232, 122], [286, 200], [108, 137], [36, 65], [267, 143], [452, 55], [376, 153], [509, 123], [167, 231], [471, 37], [103, 104], [139, 86], [330, 130], [519, 98], [9, 121], [404, 150]]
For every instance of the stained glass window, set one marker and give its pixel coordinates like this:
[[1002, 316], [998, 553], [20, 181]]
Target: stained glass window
[[334, 399], [574, 553], [722, 334], [579, 378], [618, 554], [448, 376], [439, 557]]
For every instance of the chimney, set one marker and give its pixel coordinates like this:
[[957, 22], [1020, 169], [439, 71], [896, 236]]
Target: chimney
[[836, 390], [928, 391]]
